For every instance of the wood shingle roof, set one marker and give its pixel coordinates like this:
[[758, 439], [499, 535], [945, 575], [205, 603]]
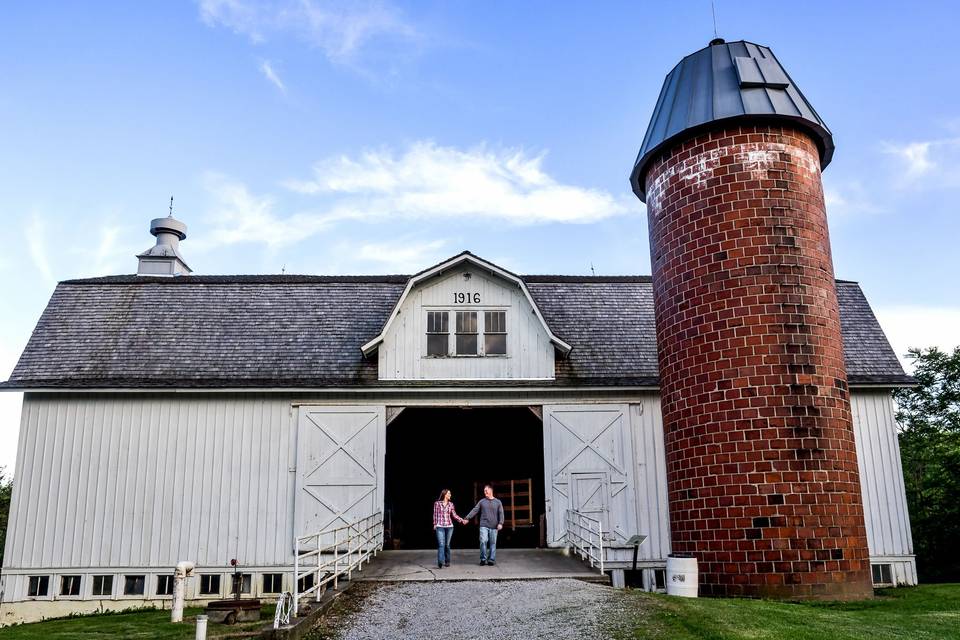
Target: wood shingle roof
[[306, 332]]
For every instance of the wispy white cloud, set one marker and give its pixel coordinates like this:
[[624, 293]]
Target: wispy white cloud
[[401, 255], [239, 216], [431, 181], [270, 74], [341, 30], [927, 163], [36, 232], [850, 198], [426, 182], [909, 326]]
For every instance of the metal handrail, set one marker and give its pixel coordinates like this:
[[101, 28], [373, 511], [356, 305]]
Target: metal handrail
[[333, 552], [585, 535], [281, 615]]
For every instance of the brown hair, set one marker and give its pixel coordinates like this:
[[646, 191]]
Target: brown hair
[[443, 492]]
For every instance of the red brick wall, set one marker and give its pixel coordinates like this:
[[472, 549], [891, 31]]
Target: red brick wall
[[762, 470]]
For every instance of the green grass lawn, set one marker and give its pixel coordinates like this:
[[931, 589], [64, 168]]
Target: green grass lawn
[[132, 624], [918, 613]]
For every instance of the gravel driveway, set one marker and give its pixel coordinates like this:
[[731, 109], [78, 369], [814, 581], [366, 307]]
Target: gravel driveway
[[522, 609]]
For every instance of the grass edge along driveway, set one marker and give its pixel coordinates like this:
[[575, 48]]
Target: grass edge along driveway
[[927, 612]]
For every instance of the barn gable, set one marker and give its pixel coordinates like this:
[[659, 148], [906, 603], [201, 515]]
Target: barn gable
[[466, 319]]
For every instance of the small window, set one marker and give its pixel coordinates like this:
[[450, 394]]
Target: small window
[[495, 333], [304, 583], [38, 586], [272, 582], [245, 580], [69, 585], [660, 579], [102, 586], [210, 585], [881, 574], [134, 585], [466, 333], [164, 585], [438, 333]]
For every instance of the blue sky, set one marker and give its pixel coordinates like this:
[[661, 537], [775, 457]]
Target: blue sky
[[380, 137]]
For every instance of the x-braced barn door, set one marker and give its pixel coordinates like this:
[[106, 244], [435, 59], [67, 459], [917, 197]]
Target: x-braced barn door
[[340, 461], [589, 466]]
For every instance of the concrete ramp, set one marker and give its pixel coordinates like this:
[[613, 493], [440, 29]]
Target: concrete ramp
[[512, 564]]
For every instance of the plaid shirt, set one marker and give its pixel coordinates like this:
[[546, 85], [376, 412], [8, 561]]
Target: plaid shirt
[[442, 513]]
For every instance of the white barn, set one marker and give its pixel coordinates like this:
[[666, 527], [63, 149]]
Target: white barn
[[208, 418]]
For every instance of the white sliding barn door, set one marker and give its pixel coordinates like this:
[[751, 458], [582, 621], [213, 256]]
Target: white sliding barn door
[[340, 458], [589, 466]]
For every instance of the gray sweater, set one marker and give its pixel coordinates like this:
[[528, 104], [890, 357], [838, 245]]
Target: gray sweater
[[490, 510]]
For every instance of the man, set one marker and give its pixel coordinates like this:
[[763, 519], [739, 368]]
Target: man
[[491, 521]]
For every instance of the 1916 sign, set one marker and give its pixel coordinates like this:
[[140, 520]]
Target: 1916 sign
[[461, 297]]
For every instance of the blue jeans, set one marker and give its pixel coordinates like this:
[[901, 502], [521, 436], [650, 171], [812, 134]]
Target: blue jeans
[[488, 536], [443, 544]]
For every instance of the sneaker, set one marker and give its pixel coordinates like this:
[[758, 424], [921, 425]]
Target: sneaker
[[483, 563], [440, 566], [491, 563], [446, 564]]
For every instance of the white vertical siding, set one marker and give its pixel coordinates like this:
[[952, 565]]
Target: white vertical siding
[[133, 480], [652, 508], [530, 354], [881, 474]]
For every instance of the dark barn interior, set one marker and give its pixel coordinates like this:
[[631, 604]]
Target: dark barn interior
[[460, 449]]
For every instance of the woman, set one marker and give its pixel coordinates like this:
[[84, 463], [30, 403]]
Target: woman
[[444, 513]]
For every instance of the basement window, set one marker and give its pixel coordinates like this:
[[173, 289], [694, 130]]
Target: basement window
[[304, 583], [69, 585], [245, 580], [164, 585], [102, 586], [134, 585], [438, 333], [495, 333], [660, 579], [38, 586], [466, 333], [881, 574], [210, 585], [272, 582]]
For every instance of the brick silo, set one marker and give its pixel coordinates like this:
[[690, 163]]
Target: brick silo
[[762, 469]]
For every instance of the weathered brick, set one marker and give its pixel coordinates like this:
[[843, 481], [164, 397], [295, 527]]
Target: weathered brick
[[753, 384]]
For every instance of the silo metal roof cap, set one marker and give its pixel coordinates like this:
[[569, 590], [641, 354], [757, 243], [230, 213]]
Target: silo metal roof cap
[[721, 84]]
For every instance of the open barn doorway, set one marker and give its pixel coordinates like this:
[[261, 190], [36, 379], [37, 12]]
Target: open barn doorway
[[429, 449]]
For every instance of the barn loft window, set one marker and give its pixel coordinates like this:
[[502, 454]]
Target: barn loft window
[[134, 585], [438, 333], [38, 586], [272, 582], [495, 333], [210, 585], [102, 586], [466, 333], [164, 585], [69, 585]]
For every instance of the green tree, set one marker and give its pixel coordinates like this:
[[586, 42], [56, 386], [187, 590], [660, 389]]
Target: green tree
[[929, 419], [6, 489]]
